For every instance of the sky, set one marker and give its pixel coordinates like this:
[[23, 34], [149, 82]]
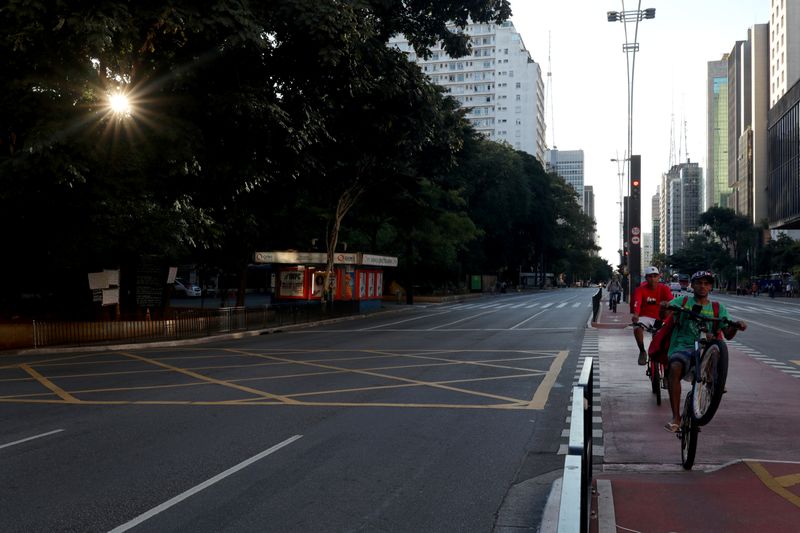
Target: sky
[[573, 40]]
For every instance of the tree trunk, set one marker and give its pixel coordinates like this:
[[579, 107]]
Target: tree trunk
[[346, 201]]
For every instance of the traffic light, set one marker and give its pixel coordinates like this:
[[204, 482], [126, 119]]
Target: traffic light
[[636, 188]]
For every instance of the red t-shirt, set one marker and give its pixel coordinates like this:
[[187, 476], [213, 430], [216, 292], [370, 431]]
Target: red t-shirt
[[646, 301]]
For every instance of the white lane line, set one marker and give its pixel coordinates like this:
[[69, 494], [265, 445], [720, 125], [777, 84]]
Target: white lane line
[[461, 320], [532, 305], [562, 304], [576, 304], [547, 305], [526, 320], [772, 327], [194, 490], [31, 438], [402, 321]]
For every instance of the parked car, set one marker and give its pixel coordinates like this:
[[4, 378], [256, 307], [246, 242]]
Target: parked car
[[183, 288], [675, 287]]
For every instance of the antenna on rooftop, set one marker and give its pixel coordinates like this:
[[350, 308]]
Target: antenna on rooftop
[[672, 139], [549, 95], [686, 137]]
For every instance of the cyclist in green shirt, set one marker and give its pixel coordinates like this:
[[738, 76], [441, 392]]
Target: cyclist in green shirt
[[685, 333]]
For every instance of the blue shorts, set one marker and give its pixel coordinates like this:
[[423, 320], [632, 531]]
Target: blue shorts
[[685, 357]]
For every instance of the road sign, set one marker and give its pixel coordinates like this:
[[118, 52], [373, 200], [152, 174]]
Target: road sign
[[635, 240], [635, 230]]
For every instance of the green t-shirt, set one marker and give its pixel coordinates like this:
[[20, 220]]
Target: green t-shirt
[[685, 332]]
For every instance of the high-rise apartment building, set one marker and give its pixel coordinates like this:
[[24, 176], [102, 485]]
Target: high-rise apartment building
[[588, 201], [647, 250], [748, 105], [569, 165], [717, 189], [655, 217], [784, 116], [784, 47], [499, 83], [681, 203]]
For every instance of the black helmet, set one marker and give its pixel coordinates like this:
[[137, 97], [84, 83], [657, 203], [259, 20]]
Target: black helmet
[[700, 274]]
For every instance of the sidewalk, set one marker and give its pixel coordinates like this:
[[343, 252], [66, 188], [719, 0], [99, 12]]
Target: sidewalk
[[747, 470]]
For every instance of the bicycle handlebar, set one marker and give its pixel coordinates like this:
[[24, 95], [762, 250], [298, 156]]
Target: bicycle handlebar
[[725, 322]]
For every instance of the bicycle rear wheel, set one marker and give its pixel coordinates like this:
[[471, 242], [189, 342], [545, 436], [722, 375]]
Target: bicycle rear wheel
[[655, 379], [709, 383], [689, 430]]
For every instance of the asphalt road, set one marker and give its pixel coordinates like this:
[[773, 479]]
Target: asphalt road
[[773, 326], [437, 418]]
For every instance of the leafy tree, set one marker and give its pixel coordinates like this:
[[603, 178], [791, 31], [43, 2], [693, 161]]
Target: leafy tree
[[233, 100], [780, 255], [700, 253], [735, 232]]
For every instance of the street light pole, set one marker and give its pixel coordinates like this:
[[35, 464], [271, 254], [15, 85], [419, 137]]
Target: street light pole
[[633, 232]]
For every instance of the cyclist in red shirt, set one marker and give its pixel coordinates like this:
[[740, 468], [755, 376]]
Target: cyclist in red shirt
[[645, 305]]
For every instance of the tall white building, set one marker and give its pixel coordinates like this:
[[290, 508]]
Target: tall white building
[[647, 250], [499, 83], [569, 165], [784, 47], [681, 202]]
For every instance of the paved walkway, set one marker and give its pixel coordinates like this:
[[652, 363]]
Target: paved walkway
[[747, 472]]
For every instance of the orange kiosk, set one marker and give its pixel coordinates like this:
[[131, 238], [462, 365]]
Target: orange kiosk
[[358, 277]]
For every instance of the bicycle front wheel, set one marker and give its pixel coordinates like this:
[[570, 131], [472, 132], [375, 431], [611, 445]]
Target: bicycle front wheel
[[709, 383], [689, 430]]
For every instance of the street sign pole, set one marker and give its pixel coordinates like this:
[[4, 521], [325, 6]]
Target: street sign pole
[[634, 236]]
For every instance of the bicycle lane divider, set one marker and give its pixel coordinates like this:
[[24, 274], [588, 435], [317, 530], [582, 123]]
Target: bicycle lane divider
[[61, 393], [204, 485], [209, 379]]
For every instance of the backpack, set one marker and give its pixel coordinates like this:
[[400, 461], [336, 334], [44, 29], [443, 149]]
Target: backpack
[[659, 346]]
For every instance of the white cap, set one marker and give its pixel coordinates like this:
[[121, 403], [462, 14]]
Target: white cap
[[650, 270]]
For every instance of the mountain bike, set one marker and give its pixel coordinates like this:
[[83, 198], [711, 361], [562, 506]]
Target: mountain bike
[[707, 372], [656, 370]]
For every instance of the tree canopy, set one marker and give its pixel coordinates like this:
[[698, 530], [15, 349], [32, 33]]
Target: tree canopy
[[254, 125]]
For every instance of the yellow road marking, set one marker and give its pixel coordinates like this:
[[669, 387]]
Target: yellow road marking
[[195, 375], [405, 385], [543, 390], [772, 483], [45, 361], [273, 359], [302, 374], [385, 376], [61, 393], [245, 403], [797, 362], [789, 480]]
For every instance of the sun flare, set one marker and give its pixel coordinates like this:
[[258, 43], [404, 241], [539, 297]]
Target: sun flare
[[119, 104]]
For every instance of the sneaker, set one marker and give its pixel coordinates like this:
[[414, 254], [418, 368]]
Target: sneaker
[[642, 358]]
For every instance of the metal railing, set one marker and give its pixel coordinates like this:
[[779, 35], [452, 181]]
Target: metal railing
[[576, 484], [188, 323]]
